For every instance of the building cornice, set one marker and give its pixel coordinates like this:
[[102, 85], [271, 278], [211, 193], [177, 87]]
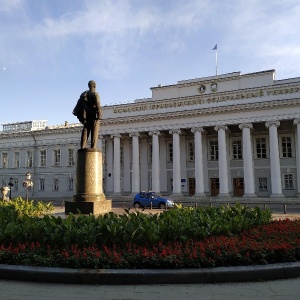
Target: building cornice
[[205, 111], [183, 114]]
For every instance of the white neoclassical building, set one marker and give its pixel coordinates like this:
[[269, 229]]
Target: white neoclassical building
[[232, 135]]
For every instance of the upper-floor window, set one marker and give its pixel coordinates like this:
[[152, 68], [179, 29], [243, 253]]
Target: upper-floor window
[[56, 154], [213, 150], [4, 160], [190, 151], [261, 147], [71, 157], [237, 149], [169, 152], [29, 159], [286, 146], [16, 159], [43, 158]]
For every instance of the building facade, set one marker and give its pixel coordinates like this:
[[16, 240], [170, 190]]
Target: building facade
[[221, 136]]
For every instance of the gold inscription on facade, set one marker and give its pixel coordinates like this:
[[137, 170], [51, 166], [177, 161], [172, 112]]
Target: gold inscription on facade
[[204, 99]]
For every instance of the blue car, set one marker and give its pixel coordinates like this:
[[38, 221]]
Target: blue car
[[144, 199]]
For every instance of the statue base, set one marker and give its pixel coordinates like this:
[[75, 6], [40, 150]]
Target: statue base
[[87, 207], [89, 197]]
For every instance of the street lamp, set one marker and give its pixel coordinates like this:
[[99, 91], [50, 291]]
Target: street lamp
[[11, 184], [27, 183]]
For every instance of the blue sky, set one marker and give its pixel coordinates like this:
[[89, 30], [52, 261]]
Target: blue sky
[[50, 49]]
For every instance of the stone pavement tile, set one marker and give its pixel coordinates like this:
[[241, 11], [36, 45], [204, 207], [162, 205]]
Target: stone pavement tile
[[288, 288]]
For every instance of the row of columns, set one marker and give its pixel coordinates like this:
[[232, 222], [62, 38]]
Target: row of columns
[[248, 165]]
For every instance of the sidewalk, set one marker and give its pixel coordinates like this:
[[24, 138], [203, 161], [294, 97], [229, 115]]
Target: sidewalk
[[279, 290]]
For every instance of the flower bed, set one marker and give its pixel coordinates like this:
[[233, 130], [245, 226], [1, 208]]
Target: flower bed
[[177, 238], [276, 242]]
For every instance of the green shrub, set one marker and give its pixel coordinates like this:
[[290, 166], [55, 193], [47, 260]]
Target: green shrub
[[180, 225]]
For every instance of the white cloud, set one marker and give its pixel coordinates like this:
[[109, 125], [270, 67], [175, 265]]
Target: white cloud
[[9, 5]]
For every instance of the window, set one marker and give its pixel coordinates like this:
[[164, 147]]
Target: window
[[56, 153], [43, 158], [16, 184], [214, 150], [237, 149], [55, 184], [42, 184], [261, 147], [170, 152], [286, 146], [29, 160], [190, 153], [288, 181], [71, 157], [150, 153], [4, 160], [16, 159], [71, 184], [263, 184], [121, 154]]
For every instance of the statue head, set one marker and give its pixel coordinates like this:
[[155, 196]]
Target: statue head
[[92, 85]]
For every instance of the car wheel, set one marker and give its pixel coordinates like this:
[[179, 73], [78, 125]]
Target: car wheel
[[162, 205], [137, 205]]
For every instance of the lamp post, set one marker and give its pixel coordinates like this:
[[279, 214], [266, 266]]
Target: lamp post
[[27, 183], [11, 184]]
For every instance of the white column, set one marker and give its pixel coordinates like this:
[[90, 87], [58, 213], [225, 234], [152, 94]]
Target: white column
[[126, 178], [297, 122], [199, 174], [117, 163], [135, 163], [176, 162], [223, 163], [248, 160], [274, 159], [109, 166], [100, 142], [155, 161]]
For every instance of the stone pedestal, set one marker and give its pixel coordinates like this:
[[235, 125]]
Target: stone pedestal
[[89, 197]]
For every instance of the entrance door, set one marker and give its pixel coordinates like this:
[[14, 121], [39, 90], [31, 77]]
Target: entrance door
[[192, 185], [238, 187], [214, 187]]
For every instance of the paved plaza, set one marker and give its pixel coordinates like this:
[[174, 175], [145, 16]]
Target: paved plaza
[[279, 290]]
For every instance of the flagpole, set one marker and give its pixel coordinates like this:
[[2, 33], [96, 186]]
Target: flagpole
[[216, 49], [217, 62]]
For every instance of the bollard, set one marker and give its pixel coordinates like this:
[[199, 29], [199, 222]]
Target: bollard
[[284, 208], [196, 205], [151, 205], [265, 206], [166, 206]]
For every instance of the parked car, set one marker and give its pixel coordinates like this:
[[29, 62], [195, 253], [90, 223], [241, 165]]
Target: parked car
[[144, 199]]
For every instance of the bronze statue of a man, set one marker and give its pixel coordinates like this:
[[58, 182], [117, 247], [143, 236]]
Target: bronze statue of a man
[[88, 112]]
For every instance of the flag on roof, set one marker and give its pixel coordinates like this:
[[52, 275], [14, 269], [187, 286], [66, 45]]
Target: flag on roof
[[215, 47]]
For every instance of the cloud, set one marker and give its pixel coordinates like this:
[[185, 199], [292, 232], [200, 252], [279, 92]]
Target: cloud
[[9, 5]]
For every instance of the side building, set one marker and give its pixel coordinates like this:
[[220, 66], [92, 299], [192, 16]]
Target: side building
[[231, 135]]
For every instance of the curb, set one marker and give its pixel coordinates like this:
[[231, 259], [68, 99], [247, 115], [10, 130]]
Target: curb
[[151, 276]]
